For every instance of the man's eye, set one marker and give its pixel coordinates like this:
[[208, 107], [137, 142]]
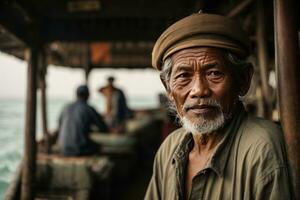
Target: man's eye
[[215, 74], [183, 75]]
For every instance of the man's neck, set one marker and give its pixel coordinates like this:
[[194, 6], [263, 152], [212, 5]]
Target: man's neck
[[207, 142], [204, 143]]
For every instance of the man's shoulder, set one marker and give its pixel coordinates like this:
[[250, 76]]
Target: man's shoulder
[[119, 92], [262, 139], [262, 130], [81, 107], [90, 108], [69, 106], [176, 136], [170, 144]]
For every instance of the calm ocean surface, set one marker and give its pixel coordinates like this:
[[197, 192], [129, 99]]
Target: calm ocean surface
[[12, 114]]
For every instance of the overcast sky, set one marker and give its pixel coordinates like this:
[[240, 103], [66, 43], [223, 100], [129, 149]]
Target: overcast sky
[[63, 81]]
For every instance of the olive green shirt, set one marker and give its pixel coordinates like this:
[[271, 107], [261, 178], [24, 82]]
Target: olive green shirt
[[248, 163]]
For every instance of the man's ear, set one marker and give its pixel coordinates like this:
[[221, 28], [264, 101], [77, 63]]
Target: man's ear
[[163, 80], [246, 80]]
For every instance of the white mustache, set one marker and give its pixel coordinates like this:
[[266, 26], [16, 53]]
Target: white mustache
[[203, 104]]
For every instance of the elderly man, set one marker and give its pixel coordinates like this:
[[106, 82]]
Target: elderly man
[[221, 152]]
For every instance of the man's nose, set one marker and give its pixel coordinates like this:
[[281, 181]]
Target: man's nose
[[200, 88]]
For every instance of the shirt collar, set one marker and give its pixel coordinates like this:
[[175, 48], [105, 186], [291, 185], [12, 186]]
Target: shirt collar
[[184, 147], [220, 156]]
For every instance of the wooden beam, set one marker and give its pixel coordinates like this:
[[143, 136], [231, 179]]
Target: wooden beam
[[15, 20], [28, 172], [288, 70], [239, 8], [82, 30]]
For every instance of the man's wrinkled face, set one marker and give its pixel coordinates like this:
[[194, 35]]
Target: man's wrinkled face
[[202, 88]]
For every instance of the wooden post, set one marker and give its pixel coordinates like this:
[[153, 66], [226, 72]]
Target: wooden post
[[87, 64], [42, 86], [263, 60], [28, 172], [86, 75], [288, 70]]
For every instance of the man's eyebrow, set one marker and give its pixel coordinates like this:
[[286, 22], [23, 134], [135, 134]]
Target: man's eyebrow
[[210, 64], [183, 67]]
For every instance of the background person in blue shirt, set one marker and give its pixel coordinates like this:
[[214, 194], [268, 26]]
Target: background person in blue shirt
[[74, 126]]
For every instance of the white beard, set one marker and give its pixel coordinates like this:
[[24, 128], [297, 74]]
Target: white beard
[[203, 126]]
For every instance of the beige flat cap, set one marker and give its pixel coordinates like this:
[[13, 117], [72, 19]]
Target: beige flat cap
[[197, 30]]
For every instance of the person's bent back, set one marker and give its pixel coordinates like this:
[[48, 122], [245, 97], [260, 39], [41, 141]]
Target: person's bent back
[[74, 126]]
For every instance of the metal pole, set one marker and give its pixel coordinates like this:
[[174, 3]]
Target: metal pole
[[28, 173], [262, 55], [288, 69]]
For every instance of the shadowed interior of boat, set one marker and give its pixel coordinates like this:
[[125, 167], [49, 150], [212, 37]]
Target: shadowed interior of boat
[[122, 170]]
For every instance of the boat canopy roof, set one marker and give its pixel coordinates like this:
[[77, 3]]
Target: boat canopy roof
[[99, 33]]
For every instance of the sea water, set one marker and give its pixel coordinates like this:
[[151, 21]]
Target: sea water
[[12, 123]]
